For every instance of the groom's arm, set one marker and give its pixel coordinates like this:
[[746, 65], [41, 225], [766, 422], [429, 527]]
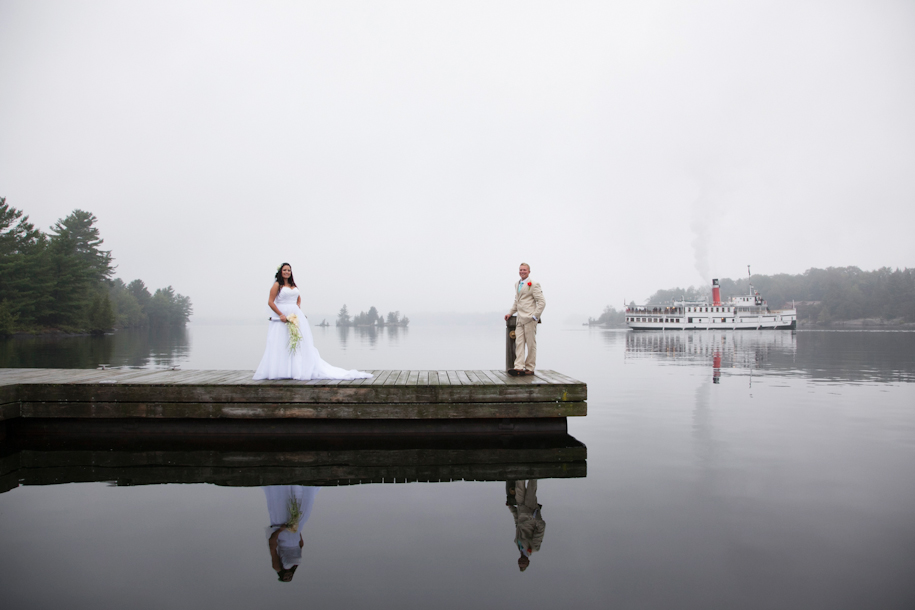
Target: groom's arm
[[539, 300], [514, 308]]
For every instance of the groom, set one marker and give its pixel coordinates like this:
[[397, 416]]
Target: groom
[[529, 304]]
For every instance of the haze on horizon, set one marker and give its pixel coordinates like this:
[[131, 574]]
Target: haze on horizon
[[409, 155]]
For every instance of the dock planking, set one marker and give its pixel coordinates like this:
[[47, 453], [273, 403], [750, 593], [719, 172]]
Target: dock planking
[[202, 394]]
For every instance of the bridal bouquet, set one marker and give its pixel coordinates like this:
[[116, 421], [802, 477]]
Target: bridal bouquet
[[295, 333], [295, 513]]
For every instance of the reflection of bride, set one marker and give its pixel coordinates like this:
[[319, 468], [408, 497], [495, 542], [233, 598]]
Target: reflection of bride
[[284, 535], [280, 361]]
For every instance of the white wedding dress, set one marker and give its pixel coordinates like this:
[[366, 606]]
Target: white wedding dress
[[279, 500], [305, 363]]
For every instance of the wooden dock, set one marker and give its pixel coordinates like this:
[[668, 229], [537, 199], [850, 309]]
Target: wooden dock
[[392, 402]]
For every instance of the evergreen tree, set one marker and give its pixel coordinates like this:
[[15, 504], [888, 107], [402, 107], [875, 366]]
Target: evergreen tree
[[343, 318], [610, 317], [77, 267], [63, 281], [139, 291], [663, 297], [182, 310], [166, 308], [127, 310], [101, 316], [81, 236], [7, 319], [23, 273]]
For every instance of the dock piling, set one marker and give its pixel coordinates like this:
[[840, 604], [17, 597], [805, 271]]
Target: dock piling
[[510, 326]]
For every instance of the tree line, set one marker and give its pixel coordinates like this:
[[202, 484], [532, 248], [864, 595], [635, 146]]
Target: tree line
[[610, 317], [822, 296], [63, 280], [370, 318], [836, 294]]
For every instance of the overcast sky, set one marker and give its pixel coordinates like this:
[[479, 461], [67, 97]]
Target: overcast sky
[[409, 155]]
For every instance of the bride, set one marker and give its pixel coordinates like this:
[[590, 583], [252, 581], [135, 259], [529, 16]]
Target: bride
[[301, 361]]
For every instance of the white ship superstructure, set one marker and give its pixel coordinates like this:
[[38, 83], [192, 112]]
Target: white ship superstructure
[[748, 312]]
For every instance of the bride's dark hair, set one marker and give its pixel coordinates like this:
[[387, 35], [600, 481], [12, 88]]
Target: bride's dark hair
[[286, 575], [279, 276]]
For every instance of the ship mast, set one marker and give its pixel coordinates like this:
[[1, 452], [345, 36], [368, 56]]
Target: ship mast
[[753, 293]]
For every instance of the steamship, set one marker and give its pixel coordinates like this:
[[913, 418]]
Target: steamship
[[749, 312]]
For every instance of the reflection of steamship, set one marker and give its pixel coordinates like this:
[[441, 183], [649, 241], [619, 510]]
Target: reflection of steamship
[[734, 352], [823, 356], [748, 312], [737, 350]]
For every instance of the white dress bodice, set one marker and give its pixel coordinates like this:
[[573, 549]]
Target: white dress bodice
[[287, 296]]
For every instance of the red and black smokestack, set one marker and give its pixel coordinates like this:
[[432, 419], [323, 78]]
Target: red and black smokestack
[[716, 293]]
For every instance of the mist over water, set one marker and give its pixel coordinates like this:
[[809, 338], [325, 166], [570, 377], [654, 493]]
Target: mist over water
[[408, 156], [751, 469], [617, 147]]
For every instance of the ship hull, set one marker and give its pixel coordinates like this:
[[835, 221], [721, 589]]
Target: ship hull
[[780, 323], [743, 326]]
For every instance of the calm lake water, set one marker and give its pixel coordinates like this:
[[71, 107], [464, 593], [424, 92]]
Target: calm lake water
[[724, 470]]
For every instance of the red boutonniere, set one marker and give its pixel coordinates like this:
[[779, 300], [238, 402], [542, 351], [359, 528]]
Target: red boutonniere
[[528, 284]]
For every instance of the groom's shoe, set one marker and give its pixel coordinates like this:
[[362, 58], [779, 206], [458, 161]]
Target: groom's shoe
[[528, 372], [515, 372]]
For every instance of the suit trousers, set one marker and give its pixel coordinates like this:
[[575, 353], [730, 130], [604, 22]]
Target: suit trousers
[[526, 336]]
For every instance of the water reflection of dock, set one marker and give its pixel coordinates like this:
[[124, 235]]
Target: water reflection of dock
[[60, 454]]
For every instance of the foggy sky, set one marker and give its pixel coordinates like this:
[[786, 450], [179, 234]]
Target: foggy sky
[[409, 155]]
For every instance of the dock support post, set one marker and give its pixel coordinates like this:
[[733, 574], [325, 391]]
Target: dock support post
[[510, 325]]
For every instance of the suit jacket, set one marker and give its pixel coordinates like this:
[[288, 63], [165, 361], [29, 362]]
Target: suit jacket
[[529, 301], [529, 525]]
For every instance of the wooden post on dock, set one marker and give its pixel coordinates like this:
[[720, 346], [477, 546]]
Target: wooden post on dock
[[510, 325]]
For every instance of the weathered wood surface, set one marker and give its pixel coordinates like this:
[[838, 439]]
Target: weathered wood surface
[[10, 411], [62, 428], [189, 410], [233, 394]]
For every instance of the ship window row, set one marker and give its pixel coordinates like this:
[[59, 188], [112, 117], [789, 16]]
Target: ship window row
[[666, 320], [710, 309]]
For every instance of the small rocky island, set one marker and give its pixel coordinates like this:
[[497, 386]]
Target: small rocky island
[[371, 318]]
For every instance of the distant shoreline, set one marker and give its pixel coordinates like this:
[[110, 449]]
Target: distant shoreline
[[861, 323]]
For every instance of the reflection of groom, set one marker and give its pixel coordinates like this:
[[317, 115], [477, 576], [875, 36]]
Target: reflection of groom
[[529, 525], [529, 304]]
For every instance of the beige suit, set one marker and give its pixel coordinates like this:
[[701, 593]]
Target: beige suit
[[529, 525], [529, 304]]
